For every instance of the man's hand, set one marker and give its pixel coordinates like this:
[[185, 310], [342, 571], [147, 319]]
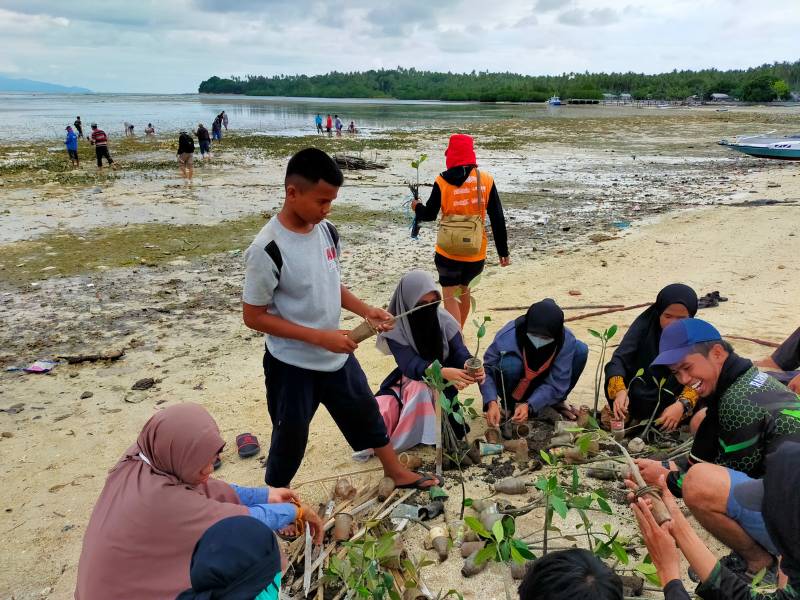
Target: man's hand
[[659, 542], [651, 470], [621, 401], [520, 413], [281, 495], [335, 340], [380, 319], [480, 376], [671, 417], [317, 526], [505, 261], [414, 204], [794, 385], [458, 377], [493, 414]]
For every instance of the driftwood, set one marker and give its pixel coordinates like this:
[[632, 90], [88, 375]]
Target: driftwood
[[580, 307], [356, 163], [605, 312], [754, 340], [79, 358]]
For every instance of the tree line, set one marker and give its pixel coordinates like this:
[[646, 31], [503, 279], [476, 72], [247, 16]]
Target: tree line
[[757, 84]]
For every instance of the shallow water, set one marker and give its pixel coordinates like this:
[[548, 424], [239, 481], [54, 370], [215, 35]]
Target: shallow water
[[41, 116]]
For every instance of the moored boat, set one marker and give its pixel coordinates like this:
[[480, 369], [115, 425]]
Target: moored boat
[[766, 146], [554, 101]]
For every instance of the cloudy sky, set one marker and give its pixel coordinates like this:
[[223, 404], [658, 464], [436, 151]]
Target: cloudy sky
[[170, 46]]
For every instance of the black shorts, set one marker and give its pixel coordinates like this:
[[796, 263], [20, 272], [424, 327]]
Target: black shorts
[[456, 272], [73, 154], [101, 152], [293, 395]]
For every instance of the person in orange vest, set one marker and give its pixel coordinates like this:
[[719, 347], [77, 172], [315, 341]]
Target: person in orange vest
[[455, 192]]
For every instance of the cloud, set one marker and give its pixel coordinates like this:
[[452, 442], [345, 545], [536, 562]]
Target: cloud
[[589, 18], [529, 21], [543, 6], [460, 40], [401, 18]]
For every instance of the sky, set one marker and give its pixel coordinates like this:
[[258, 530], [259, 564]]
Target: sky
[[161, 46]]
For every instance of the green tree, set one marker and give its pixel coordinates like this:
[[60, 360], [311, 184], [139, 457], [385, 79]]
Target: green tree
[[759, 89], [781, 89]]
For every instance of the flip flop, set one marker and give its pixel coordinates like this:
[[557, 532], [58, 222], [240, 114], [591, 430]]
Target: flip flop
[[417, 485], [247, 444]]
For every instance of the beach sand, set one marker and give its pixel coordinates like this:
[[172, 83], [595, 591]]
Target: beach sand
[[180, 323]]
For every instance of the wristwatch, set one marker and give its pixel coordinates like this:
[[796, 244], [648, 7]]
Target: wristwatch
[[687, 406]]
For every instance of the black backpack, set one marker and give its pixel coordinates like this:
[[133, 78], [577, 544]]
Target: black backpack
[[187, 142], [275, 252]]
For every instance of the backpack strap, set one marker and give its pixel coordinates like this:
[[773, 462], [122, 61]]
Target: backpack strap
[[275, 254], [334, 235]]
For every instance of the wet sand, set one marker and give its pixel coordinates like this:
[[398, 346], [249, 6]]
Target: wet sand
[[175, 306]]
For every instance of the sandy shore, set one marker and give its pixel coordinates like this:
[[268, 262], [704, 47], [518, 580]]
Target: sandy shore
[[180, 324]]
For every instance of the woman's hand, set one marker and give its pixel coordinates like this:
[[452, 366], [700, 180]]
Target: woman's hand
[[520, 413], [281, 495], [479, 376], [659, 542], [621, 402], [493, 414], [458, 377], [671, 417]]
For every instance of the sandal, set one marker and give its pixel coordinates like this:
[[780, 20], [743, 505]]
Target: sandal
[[417, 485], [247, 444]]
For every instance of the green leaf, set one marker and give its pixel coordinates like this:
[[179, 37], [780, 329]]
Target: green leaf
[[607, 527], [423, 157], [583, 443], [516, 556], [611, 332], [473, 303], [393, 594], [575, 480], [509, 526], [602, 503], [445, 403], [498, 531], [559, 506], [595, 334], [526, 553], [481, 331], [468, 401], [620, 552], [477, 527], [468, 501], [505, 551], [639, 373], [649, 571], [758, 578], [546, 457], [435, 492], [485, 554], [593, 423], [458, 418]]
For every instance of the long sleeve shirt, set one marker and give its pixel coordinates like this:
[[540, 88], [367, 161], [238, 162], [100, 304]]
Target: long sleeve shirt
[[413, 366], [557, 379], [256, 499], [494, 209], [722, 584]]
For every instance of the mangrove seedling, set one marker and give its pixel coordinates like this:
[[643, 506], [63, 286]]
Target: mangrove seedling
[[415, 164], [501, 545], [604, 337], [660, 383]]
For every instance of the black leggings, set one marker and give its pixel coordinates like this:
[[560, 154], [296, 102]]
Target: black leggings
[[101, 152]]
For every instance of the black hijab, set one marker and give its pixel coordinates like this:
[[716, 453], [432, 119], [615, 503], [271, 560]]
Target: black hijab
[[545, 319], [427, 333], [236, 559], [639, 347]]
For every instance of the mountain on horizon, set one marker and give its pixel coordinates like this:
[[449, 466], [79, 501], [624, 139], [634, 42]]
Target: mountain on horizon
[[9, 84]]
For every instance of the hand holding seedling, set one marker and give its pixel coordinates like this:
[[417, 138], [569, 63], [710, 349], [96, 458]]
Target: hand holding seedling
[[520, 413], [671, 417], [651, 470], [659, 542], [458, 377], [621, 402], [479, 375], [380, 319], [493, 413]]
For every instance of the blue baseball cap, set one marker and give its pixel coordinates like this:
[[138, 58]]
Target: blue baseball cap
[[679, 337]]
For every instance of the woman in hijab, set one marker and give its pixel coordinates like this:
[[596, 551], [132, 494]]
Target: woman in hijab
[[157, 502], [533, 362], [237, 558], [630, 397], [418, 339]]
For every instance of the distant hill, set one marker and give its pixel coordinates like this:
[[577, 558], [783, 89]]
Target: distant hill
[[8, 84]]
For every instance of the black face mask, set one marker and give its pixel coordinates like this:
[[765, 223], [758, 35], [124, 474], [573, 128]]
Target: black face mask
[[427, 332]]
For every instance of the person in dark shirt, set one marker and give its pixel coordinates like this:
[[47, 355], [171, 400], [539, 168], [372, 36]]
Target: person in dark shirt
[[455, 193], [78, 126], [777, 496], [185, 154], [786, 359], [574, 574], [749, 415], [204, 138]]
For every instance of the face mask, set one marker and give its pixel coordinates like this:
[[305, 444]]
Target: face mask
[[539, 341]]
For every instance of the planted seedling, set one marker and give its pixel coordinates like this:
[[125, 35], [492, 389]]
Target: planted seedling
[[501, 545], [660, 383], [604, 337]]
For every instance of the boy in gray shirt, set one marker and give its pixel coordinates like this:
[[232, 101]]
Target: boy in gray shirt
[[293, 294]]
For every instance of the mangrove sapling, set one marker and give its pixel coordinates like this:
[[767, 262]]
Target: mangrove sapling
[[658, 508], [448, 444], [501, 544], [604, 337], [474, 365], [660, 383], [366, 330], [414, 187]]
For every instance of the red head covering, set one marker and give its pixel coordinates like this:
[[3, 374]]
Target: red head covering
[[152, 510], [460, 151]]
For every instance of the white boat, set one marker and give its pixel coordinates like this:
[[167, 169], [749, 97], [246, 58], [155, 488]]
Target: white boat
[[554, 101], [766, 146]]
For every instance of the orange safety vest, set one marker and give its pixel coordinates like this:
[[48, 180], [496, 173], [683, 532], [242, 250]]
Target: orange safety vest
[[463, 200]]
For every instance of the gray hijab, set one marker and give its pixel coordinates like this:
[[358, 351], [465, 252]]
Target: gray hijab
[[413, 286]]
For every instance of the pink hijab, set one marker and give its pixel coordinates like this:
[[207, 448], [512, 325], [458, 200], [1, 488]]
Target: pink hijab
[[152, 510]]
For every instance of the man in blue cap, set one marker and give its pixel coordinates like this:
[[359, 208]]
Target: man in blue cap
[[748, 415]]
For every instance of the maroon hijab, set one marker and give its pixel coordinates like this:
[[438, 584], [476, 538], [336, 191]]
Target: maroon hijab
[[140, 537]]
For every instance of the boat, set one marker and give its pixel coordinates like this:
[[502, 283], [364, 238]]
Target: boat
[[554, 101], [766, 146]]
